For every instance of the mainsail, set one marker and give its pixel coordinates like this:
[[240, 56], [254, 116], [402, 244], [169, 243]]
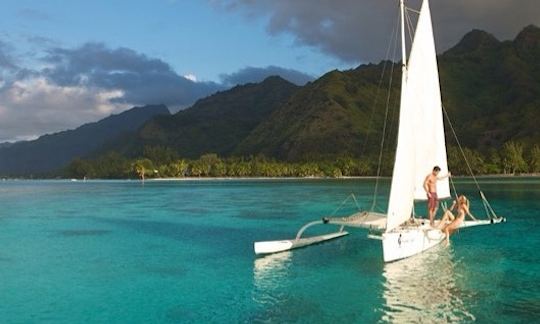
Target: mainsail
[[421, 142]]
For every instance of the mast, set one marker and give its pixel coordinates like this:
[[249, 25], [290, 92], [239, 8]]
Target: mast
[[403, 45]]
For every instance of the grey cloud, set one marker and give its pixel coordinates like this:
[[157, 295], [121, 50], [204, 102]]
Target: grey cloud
[[142, 79], [7, 62], [33, 107], [87, 83], [254, 74], [83, 85], [359, 30], [41, 41]]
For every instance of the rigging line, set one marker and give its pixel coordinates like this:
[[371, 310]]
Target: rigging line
[[455, 191], [485, 202], [461, 148], [374, 203], [409, 26], [355, 201], [341, 205], [453, 186], [376, 100], [486, 208], [393, 118], [412, 10], [392, 134]]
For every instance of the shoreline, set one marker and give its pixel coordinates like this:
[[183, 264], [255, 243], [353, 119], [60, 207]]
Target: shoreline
[[528, 175], [255, 178], [170, 179]]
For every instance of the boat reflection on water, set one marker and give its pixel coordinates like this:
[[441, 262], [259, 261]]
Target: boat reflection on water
[[269, 274], [423, 289]]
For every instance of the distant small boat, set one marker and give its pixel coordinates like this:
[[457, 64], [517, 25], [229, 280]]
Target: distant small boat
[[421, 145]]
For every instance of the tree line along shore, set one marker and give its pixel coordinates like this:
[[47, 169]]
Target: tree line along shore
[[162, 162]]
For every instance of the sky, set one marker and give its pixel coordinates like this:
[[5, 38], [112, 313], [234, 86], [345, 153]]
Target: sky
[[65, 63]]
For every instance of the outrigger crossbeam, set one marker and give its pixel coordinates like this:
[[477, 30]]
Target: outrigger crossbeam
[[361, 219]]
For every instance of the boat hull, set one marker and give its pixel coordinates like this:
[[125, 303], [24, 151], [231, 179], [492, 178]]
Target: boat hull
[[408, 241], [269, 247]]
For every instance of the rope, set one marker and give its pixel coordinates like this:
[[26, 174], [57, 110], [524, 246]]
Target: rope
[[379, 163], [444, 206], [461, 148], [344, 202], [487, 205], [393, 119], [453, 186], [409, 24], [411, 9], [355, 201], [376, 100], [489, 210]]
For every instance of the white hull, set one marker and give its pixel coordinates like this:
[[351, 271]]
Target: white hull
[[404, 242], [482, 222], [285, 245]]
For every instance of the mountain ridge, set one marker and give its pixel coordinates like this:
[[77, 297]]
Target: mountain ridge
[[53, 151], [215, 123]]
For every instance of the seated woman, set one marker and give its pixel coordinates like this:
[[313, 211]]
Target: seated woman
[[462, 207]]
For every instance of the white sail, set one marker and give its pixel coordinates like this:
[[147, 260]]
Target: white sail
[[402, 190], [421, 143], [423, 91]]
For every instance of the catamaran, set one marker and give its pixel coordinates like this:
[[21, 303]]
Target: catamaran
[[420, 146]]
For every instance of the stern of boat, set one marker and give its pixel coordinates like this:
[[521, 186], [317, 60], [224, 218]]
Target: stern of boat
[[408, 241]]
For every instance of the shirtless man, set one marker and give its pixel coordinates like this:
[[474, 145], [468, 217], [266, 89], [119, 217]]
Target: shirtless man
[[430, 186]]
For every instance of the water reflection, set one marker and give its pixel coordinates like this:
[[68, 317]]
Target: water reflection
[[276, 296], [269, 271], [423, 289]]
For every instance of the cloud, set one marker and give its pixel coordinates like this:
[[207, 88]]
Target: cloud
[[41, 41], [84, 84], [254, 74], [359, 30], [7, 62], [142, 79], [72, 86], [191, 76], [35, 106]]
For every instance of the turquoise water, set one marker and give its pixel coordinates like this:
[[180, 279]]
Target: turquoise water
[[175, 252]]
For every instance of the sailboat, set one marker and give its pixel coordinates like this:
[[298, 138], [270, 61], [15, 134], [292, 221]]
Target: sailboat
[[420, 146]]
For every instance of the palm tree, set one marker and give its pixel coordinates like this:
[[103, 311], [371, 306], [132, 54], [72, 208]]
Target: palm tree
[[143, 167]]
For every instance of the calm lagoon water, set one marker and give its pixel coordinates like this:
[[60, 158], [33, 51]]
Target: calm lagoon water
[[181, 252]]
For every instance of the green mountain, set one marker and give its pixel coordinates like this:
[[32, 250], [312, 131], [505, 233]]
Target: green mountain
[[52, 152], [214, 124], [491, 90], [329, 117]]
